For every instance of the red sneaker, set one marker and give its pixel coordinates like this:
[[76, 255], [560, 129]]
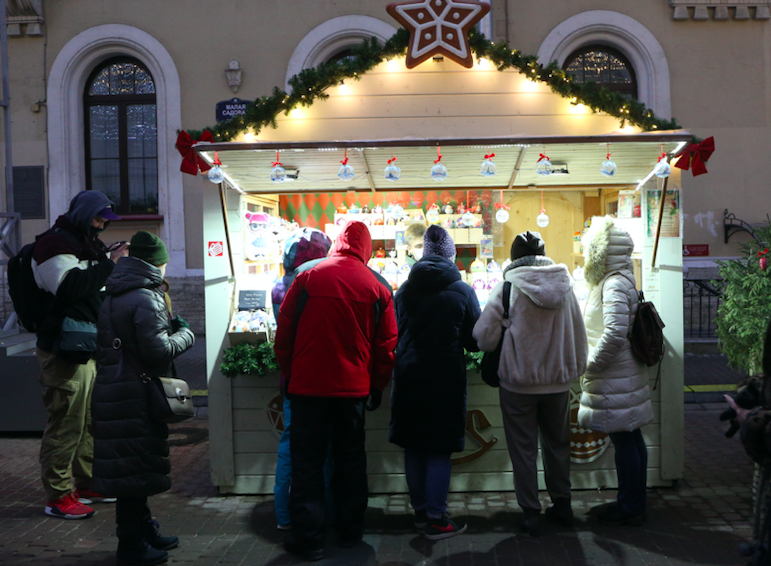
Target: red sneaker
[[87, 497], [68, 507]]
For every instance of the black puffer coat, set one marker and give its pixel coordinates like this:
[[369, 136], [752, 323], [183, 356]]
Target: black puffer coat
[[131, 453], [435, 313]]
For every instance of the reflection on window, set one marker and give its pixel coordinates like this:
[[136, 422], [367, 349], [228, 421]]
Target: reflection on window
[[121, 135], [604, 66]]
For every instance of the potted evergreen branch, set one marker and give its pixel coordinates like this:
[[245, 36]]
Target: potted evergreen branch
[[746, 308], [249, 359]]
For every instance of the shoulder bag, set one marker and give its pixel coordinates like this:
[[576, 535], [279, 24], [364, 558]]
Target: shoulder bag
[[168, 397], [491, 360]]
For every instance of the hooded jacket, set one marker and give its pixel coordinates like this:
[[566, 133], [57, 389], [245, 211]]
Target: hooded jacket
[[616, 396], [435, 312], [336, 329], [544, 346], [305, 245], [131, 452], [71, 263]]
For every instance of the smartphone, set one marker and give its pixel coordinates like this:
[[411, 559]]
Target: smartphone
[[115, 246]]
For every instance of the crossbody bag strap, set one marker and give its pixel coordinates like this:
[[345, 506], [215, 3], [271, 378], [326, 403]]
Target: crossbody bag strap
[[506, 298]]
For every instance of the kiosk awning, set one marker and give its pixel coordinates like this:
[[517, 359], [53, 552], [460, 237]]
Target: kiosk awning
[[312, 166]]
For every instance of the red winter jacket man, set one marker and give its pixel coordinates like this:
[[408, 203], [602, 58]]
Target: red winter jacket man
[[335, 345]]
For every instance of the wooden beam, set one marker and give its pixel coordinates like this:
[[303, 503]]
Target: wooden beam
[[369, 173], [516, 167]]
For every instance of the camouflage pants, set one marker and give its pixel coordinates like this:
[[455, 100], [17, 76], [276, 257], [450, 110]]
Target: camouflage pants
[[67, 447]]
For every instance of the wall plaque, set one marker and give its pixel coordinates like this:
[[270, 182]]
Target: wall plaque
[[29, 191]]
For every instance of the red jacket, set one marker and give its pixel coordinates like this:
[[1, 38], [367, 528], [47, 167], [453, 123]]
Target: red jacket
[[336, 327]]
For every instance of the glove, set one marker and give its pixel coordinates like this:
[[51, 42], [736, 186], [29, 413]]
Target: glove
[[375, 398], [178, 322]]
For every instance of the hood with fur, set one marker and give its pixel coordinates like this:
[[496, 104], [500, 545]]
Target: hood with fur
[[608, 249]]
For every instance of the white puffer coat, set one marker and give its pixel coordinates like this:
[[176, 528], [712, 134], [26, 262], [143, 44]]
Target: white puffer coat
[[616, 396]]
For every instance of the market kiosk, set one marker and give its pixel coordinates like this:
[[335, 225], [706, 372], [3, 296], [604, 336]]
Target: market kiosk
[[415, 117]]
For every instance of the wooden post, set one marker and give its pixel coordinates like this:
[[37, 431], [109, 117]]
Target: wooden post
[[224, 204], [661, 216]]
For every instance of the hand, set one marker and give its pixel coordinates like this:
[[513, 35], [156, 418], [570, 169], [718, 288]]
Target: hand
[[375, 398], [741, 414], [178, 322], [119, 252]]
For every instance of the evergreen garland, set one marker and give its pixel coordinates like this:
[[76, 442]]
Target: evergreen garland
[[310, 85], [248, 359], [746, 308]]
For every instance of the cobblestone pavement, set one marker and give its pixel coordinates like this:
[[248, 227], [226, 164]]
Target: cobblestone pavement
[[702, 520]]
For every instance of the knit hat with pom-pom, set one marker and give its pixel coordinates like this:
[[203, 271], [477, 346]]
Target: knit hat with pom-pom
[[436, 241]]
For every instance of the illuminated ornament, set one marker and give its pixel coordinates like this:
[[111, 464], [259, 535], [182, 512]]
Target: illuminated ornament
[[392, 171], [488, 167], [608, 167], [277, 174], [346, 171], [543, 166], [438, 171]]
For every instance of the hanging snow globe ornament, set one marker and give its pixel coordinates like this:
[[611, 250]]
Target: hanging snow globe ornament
[[277, 174], [438, 171], [468, 219], [502, 215], [608, 167], [216, 174], [345, 172], [392, 171], [397, 210], [662, 169], [542, 219], [488, 167], [543, 165]]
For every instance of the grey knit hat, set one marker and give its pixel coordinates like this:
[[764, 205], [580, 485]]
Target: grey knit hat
[[436, 241]]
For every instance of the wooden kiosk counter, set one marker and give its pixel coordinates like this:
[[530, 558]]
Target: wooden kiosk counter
[[464, 115]]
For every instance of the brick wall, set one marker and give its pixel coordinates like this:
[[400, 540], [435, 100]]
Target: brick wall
[[187, 301]]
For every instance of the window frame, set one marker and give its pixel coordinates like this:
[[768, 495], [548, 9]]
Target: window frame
[[122, 101]]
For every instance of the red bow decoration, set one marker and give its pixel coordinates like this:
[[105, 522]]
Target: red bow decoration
[[191, 161], [541, 157], [391, 160], [501, 205], [345, 158], [276, 163], [764, 252], [695, 155], [490, 156], [439, 154]]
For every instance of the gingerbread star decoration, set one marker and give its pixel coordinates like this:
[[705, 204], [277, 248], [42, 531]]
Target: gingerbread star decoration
[[438, 27]]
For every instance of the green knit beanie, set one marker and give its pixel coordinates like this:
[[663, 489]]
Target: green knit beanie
[[148, 247]]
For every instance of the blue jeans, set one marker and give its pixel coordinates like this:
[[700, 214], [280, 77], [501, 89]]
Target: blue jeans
[[284, 473], [631, 469], [428, 479]]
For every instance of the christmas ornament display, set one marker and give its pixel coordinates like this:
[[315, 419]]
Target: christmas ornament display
[[488, 167], [392, 171], [277, 174], [608, 167], [438, 171], [345, 172], [216, 175], [543, 165]]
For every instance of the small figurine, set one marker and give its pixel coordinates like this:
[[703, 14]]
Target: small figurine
[[378, 221], [461, 209], [342, 209], [354, 209], [448, 209], [366, 209], [380, 253], [477, 208], [449, 223]]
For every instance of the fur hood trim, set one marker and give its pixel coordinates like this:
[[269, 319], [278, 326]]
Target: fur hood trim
[[529, 260], [607, 248]]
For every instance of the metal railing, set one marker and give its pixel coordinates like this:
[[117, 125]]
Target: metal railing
[[701, 299]]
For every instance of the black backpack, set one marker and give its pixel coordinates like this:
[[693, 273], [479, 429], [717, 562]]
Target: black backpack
[[491, 360], [31, 303]]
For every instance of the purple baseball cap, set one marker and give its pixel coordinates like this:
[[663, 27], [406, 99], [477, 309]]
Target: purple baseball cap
[[108, 214]]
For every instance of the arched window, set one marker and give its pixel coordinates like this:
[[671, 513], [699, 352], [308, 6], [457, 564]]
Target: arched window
[[121, 144], [605, 66], [341, 55]]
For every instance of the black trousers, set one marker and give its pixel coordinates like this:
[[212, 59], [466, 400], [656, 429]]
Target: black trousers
[[317, 422], [131, 516]]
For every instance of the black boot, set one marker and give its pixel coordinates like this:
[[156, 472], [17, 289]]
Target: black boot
[[155, 539], [561, 512], [138, 552], [531, 524]]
